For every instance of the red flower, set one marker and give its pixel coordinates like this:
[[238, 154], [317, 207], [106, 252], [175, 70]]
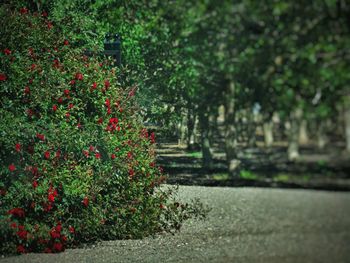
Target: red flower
[[58, 228], [79, 76], [71, 229], [91, 148], [59, 100], [85, 201], [51, 198], [66, 92], [93, 86], [72, 82], [22, 234], [152, 164], [23, 10], [108, 103], [79, 125], [107, 84], [44, 14], [58, 154], [66, 42], [131, 173], [12, 167], [113, 156], [52, 193], [67, 114], [40, 136], [97, 155], [109, 111], [129, 155], [54, 234], [70, 106], [47, 155], [153, 137], [2, 77], [58, 247], [26, 90], [86, 153], [33, 66], [21, 249], [54, 107], [56, 63], [49, 25], [18, 147], [17, 212], [63, 238], [13, 225], [35, 184], [99, 121], [7, 51]]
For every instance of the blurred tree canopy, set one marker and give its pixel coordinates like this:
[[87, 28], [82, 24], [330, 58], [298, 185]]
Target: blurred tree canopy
[[188, 57]]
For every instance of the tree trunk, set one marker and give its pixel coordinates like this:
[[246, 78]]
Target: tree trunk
[[213, 124], [321, 136], [251, 129], [205, 142], [230, 131], [293, 147], [190, 127], [182, 127], [268, 132], [303, 133]]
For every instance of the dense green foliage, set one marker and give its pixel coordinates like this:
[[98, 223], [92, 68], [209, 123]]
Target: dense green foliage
[[76, 165]]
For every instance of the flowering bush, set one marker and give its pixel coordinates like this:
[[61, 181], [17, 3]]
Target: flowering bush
[[75, 163]]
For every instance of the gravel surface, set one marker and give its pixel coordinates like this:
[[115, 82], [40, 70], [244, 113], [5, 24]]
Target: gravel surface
[[245, 225]]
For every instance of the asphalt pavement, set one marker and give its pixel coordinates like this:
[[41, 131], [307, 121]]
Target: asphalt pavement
[[244, 225]]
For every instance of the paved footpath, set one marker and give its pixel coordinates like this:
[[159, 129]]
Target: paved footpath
[[245, 225]]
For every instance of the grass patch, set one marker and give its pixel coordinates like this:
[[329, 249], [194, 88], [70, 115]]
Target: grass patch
[[249, 175], [282, 178], [221, 176], [194, 154]]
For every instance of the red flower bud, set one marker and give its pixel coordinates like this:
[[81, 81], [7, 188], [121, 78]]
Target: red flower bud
[[54, 107], [12, 167], [47, 155], [2, 77], [79, 76], [40, 136], [66, 42], [7, 51], [23, 10], [85, 201], [93, 86], [18, 147], [71, 229], [107, 84], [26, 90], [49, 25]]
